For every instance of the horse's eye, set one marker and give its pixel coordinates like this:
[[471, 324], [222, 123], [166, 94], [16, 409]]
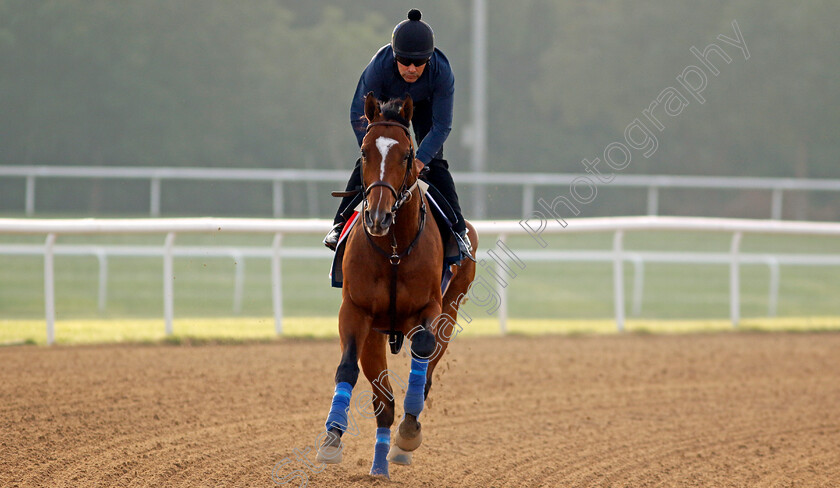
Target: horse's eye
[[364, 154]]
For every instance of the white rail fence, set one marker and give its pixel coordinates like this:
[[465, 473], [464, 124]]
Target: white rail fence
[[618, 255], [529, 182], [239, 254]]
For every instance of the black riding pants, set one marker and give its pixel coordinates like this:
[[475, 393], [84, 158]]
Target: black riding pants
[[437, 174]]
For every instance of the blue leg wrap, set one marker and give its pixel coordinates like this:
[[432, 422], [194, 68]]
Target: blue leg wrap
[[414, 396], [380, 452], [340, 404]]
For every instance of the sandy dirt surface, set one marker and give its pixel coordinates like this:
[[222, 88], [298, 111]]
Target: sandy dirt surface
[[620, 411]]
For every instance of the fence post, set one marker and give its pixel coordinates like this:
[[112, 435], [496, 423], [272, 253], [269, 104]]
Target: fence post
[[30, 195], [168, 282], [734, 280], [503, 298], [618, 279], [773, 299], [103, 279], [638, 284], [653, 200], [154, 198], [49, 287], [776, 210], [277, 198], [238, 280], [527, 200], [277, 283]]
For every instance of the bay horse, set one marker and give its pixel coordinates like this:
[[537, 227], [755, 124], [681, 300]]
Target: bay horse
[[392, 270]]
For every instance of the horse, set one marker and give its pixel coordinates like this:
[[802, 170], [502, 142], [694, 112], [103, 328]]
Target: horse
[[392, 271]]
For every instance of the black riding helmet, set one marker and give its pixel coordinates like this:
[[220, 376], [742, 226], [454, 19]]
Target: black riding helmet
[[413, 39]]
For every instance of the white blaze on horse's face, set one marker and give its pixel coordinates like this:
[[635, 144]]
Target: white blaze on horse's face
[[384, 145]]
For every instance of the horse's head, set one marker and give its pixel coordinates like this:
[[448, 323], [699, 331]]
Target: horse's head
[[388, 165]]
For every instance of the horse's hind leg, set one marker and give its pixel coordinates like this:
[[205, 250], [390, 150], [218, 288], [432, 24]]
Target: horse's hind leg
[[409, 436], [447, 327], [442, 332], [375, 367]]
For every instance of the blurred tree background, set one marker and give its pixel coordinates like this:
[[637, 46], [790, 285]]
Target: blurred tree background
[[267, 84]]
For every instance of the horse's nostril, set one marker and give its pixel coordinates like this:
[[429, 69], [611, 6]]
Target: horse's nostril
[[368, 219], [388, 219]]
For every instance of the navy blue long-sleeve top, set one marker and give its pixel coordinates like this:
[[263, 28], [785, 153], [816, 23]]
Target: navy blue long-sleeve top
[[432, 94]]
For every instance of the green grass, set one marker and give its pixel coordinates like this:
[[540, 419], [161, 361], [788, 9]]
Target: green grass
[[235, 330], [92, 331], [566, 292]]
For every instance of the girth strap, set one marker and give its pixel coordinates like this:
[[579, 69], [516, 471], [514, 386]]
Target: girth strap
[[395, 337]]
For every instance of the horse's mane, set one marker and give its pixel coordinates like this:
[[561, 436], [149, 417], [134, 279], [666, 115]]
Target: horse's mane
[[391, 111]]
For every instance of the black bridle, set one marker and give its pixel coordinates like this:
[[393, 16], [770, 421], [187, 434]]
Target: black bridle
[[401, 196]]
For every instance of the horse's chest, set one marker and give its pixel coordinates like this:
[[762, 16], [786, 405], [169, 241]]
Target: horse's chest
[[375, 290]]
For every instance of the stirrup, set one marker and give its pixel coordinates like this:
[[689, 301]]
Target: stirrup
[[464, 245], [331, 239]]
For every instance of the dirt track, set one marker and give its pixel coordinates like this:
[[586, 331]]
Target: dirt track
[[635, 411]]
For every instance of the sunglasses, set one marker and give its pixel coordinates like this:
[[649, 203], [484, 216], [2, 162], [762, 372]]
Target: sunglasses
[[409, 61]]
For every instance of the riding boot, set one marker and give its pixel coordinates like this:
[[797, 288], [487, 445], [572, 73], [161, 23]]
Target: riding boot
[[347, 203], [437, 174]]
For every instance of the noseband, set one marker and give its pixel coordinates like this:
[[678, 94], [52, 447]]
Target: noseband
[[402, 196]]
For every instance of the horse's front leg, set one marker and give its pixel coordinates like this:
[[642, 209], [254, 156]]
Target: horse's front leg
[[375, 367], [353, 327], [423, 349]]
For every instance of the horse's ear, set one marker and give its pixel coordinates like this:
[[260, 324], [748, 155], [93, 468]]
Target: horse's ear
[[371, 107], [407, 108]]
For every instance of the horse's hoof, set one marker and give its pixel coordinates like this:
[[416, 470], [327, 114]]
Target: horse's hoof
[[329, 454], [399, 456], [380, 470], [408, 445]]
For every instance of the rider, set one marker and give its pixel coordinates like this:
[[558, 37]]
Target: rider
[[410, 65]]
